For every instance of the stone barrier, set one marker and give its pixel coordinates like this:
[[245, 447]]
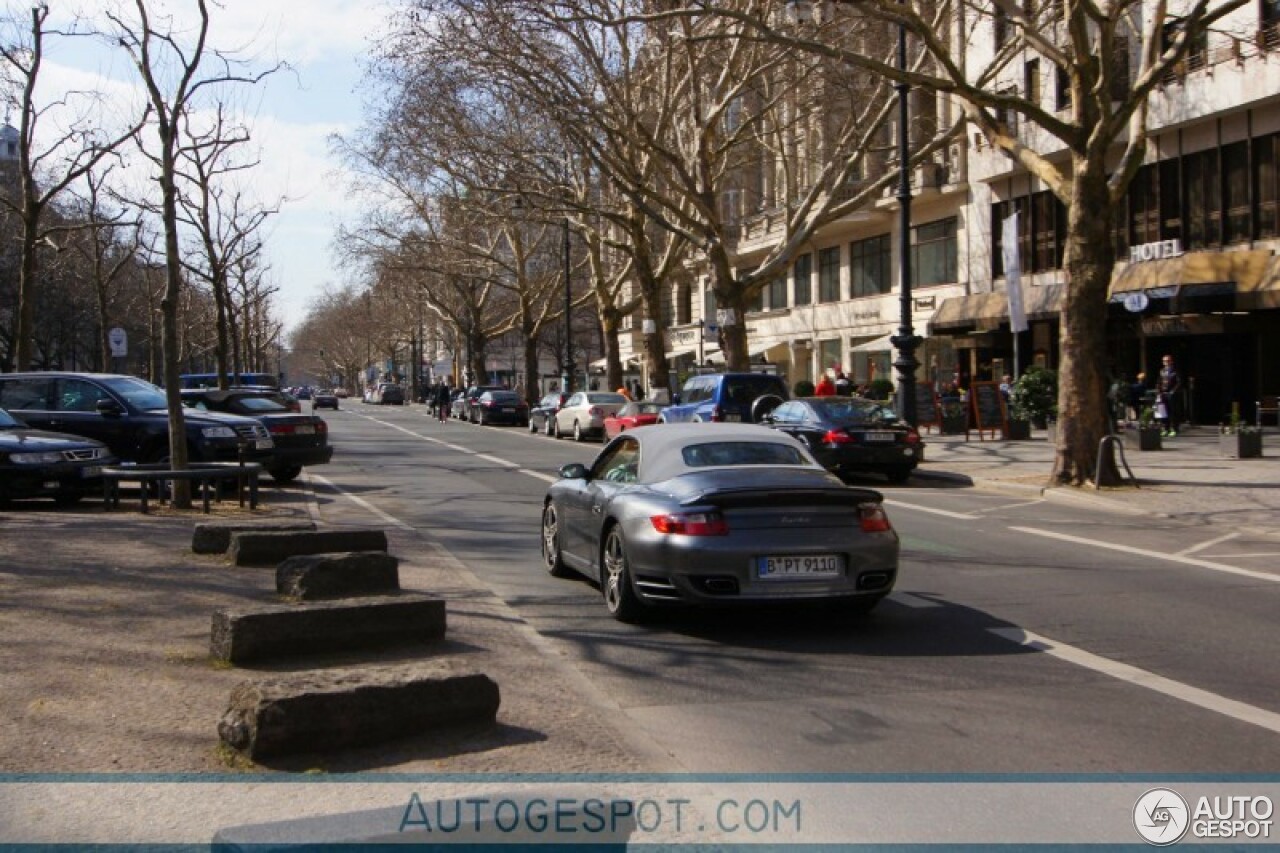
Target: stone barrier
[[327, 711], [311, 577], [268, 549], [241, 634], [214, 537]]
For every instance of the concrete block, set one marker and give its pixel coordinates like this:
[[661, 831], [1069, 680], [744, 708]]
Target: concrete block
[[311, 577], [214, 537], [268, 549], [332, 710], [261, 632]]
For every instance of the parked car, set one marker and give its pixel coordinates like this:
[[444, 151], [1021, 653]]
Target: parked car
[[341, 393], [542, 415], [632, 415], [726, 397], [129, 415], [325, 400], [39, 464], [733, 513], [458, 404], [469, 398], [851, 435], [389, 394], [501, 407], [583, 414], [300, 440]]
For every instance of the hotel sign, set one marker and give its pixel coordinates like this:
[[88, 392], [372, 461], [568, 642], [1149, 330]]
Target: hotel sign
[[1159, 251]]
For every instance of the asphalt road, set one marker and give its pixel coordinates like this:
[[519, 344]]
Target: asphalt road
[[1024, 636]]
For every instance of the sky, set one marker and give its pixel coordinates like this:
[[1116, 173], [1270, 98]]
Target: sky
[[294, 115]]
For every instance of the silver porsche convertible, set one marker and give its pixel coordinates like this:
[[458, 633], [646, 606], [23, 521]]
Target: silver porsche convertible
[[716, 513]]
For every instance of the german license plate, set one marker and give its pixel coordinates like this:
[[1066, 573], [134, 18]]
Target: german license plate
[[733, 416], [508, 411], [879, 436], [798, 566], [91, 471], [264, 444], [305, 430]]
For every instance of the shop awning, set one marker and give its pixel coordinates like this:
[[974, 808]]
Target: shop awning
[[602, 363], [680, 353], [1248, 276], [881, 344], [989, 310]]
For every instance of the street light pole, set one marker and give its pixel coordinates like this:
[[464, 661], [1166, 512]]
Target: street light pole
[[566, 377], [906, 340]]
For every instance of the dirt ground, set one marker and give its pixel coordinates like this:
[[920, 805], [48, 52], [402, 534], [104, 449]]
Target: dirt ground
[[105, 667]]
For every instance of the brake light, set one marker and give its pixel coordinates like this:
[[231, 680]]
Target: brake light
[[717, 414], [594, 412], [691, 523], [322, 427], [872, 519], [913, 437], [838, 436], [281, 429]]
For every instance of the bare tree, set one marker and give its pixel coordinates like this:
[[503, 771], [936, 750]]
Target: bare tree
[[45, 170], [1113, 57], [171, 74]]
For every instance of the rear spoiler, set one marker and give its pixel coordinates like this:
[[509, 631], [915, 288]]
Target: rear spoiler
[[791, 497]]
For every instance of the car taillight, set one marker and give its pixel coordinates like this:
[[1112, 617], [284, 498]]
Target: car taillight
[[717, 414], [321, 427], [912, 437], [838, 436], [691, 523], [594, 412], [281, 429], [872, 518]]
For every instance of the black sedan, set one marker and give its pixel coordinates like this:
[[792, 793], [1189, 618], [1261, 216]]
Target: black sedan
[[39, 464], [543, 415], [300, 439], [851, 435], [501, 407], [716, 514], [324, 400]]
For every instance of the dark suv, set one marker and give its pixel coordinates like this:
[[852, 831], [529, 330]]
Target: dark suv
[[128, 415], [726, 397]]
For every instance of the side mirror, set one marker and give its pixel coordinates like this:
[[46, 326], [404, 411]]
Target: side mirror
[[573, 471], [109, 408]]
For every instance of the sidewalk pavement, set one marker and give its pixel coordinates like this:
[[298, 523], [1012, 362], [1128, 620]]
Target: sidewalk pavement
[[1189, 479]]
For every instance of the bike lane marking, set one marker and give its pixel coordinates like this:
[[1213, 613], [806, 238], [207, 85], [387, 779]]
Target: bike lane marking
[[1214, 702], [1154, 555]]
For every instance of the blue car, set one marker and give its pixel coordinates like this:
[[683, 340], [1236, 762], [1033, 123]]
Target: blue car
[[727, 398]]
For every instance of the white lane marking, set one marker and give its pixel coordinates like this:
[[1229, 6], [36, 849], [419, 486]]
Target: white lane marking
[[1012, 506], [1250, 554], [948, 513], [389, 519], [1194, 548], [1142, 678], [1154, 555], [906, 599], [497, 460]]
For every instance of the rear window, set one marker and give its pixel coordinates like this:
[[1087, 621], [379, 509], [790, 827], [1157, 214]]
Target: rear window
[[854, 412], [606, 398], [744, 390], [719, 453], [504, 396]]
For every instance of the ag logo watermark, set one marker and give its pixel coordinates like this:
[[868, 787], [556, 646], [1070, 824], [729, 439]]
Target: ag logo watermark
[[1161, 816]]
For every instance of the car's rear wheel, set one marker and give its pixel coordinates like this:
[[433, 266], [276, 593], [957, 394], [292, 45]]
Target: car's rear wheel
[[482, 419], [577, 432], [286, 474], [552, 560], [555, 430], [533, 428], [898, 475], [615, 580], [547, 426]]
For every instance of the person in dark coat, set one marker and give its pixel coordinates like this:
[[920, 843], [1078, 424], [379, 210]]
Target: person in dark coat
[[442, 400], [1169, 387]]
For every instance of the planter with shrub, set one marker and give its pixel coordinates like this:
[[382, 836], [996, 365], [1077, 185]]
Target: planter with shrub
[[1034, 396]]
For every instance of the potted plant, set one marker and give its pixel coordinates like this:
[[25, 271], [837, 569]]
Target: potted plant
[[955, 418], [1017, 429], [1147, 435], [1034, 396], [1239, 440], [803, 388]]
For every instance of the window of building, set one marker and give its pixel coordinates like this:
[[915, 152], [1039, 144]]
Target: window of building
[[1203, 200], [1005, 115], [999, 213], [708, 303], [778, 293], [804, 279], [934, 252], [1144, 207], [1048, 231], [684, 304], [1062, 87], [829, 274], [1171, 199], [828, 355], [1270, 34], [1235, 189], [1002, 28], [1266, 158], [1120, 70], [1031, 80], [869, 267]]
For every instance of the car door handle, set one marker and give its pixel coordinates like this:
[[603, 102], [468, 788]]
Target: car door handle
[[597, 508]]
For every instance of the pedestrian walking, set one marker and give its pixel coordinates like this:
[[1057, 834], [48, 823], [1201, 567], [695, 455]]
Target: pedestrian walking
[[1169, 388], [843, 386], [443, 398], [825, 387]]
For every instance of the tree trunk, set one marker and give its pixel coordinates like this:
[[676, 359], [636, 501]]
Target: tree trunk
[[532, 383], [729, 297], [169, 309], [609, 323], [1082, 382]]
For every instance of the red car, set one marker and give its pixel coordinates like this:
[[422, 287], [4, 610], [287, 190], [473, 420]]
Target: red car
[[630, 416]]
